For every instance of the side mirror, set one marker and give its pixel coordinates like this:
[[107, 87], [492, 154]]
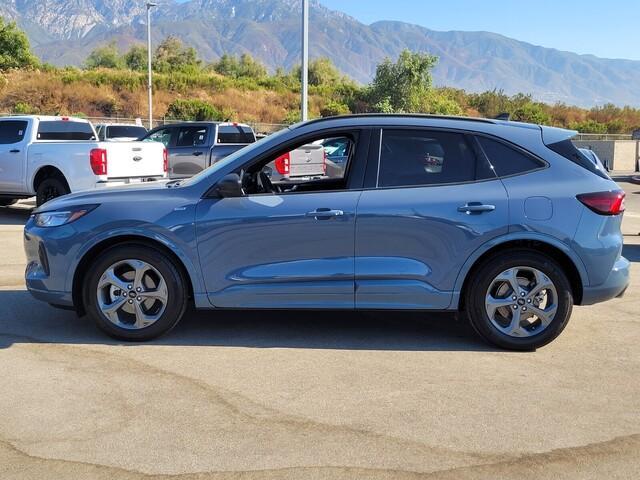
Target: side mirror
[[229, 186]]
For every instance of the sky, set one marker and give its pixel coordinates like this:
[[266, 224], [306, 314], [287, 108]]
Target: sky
[[608, 29]]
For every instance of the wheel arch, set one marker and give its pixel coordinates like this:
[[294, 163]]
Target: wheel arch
[[48, 171], [569, 261], [92, 253]]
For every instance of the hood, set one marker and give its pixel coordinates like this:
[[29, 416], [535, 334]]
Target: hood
[[107, 194]]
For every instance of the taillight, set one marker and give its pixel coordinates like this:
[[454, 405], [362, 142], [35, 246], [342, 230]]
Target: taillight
[[324, 161], [604, 203], [165, 160], [283, 163], [98, 161]]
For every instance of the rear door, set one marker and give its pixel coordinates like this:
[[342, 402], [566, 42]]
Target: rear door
[[13, 155], [189, 153], [434, 199]]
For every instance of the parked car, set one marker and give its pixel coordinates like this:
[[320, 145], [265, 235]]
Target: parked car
[[193, 146], [52, 156], [515, 228], [303, 163], [119, 132], [593, 156]]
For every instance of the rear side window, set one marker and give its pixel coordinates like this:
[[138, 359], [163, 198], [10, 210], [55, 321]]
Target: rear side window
[[12, 131], [125, 131], [417, 157], [191, 136], [64, 130], [235, 134], [569, 151], [507, 160]]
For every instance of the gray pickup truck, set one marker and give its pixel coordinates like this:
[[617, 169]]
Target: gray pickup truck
[[193, 146]]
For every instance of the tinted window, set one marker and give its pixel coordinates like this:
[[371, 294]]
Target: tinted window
[[506, 160], [569, 151], [125, 131], [415, 157], [235, 134], [12, 131], [163, 136], [65, 130], [191, 136]]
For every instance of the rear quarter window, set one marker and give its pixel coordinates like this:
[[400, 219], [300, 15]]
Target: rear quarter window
[[64, 130], [569, 151], [235, 134], [507, 160], [12, 131]]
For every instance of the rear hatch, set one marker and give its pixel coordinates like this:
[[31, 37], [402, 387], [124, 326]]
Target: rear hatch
[[134, 159]]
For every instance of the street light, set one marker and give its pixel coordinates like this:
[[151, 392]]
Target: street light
[[304, 111], [150, 5]]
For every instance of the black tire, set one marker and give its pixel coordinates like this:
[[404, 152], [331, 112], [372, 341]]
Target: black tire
[[50, 188], [6, 202], [479, 284], [176, 288]]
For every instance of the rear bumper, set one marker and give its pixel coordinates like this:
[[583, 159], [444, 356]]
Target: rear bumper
[[118, 182], [614, 286]]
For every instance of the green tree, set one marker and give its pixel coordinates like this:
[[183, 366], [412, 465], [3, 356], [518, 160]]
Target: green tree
[[322, 71], [136, 58], [196, 110], [106, 56], [173, 55], [403, 85], [15, 51], [245, 67], [333, 108]]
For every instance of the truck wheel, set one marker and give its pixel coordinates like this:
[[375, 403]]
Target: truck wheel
[[49, 189], [5, 202]]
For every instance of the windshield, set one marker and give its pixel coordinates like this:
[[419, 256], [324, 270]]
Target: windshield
[[233, 157]]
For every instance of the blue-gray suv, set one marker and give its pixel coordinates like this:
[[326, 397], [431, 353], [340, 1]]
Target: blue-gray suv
[[506, 222]]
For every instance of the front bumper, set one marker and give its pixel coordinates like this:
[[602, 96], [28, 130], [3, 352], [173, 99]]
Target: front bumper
[[614, 286]]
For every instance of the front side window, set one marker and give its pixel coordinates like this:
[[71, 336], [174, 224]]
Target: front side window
[[191, 136], [507, 160], [163, 136], [12, 131], [420, 157], [306, 168], [65, 130]]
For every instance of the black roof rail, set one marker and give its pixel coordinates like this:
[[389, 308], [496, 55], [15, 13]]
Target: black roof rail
[[397, 115]]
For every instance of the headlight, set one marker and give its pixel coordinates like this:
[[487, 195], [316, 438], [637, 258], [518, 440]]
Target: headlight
[[61, 217]]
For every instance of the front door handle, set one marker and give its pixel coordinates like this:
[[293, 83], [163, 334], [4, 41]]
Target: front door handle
[[473, 208], [197, 154], [325, 213], [15, 150]]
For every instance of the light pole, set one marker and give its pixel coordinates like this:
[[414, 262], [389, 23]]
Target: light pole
[[304, 111], [150, 5]]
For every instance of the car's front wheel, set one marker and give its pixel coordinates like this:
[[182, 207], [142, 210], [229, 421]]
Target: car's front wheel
[[135, 292], [519, 300]]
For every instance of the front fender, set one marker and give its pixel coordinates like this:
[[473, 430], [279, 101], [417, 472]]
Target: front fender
[[554, 242]]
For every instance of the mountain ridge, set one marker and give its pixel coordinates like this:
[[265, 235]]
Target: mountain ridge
[[65, 31]]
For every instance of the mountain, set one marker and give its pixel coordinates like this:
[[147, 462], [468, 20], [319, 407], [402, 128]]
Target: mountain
[[63, 32]]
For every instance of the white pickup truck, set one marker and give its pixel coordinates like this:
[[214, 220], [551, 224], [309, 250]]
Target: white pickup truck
[[52, 156]]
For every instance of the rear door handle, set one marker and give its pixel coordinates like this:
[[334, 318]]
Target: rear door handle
[[15, 150], [325, 213], [472, 208]]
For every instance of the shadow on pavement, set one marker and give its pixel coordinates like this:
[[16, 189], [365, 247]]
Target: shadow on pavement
[[23, 320], [14, 215], [631, 253]]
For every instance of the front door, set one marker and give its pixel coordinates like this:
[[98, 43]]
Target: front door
[[434, 201], [190, 153], [13, 154], [284, 244]]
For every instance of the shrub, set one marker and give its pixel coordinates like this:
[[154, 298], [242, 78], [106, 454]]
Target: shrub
[[333, 108], [193, 110]]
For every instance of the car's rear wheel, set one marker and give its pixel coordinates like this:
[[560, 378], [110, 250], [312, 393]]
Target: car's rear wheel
[[519, 300], [135, 292], [50, 188]]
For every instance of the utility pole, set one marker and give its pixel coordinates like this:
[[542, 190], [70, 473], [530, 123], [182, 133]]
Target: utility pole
[[150, 5], [304, 111]]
